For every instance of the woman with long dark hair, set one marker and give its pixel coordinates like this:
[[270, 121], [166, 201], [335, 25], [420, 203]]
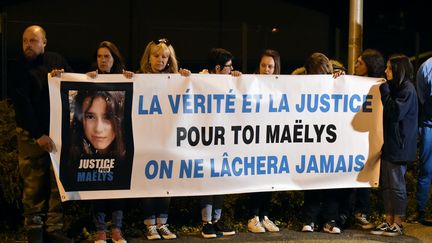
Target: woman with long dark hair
[[400, 121]]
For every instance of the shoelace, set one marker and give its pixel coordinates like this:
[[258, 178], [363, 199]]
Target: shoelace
[[164, 230], [152, 229], [363, 219]]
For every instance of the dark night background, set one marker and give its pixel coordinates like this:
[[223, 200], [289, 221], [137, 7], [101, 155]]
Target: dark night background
[[75, 27]]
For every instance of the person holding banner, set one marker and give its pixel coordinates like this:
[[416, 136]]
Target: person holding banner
[[97, 133], [400, 119], [320, 201], [369, 64], [109, 60], [40, 199], [259, 202], [159, 57], [219, 62]]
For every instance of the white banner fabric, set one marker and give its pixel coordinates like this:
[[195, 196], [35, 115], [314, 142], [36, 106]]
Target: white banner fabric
[[158, 135]]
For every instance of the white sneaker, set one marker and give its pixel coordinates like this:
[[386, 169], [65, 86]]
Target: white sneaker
[[394, 230], [166, 233], [308, 227], [255, 226], [332, 228], [152, 233], [362, 221], [380, 229], [269, 225]]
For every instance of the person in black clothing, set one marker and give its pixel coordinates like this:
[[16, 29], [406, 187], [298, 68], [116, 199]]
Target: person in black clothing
[[324, 202], [41, 199]]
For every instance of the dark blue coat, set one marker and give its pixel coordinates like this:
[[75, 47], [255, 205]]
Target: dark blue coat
[[400, 122]]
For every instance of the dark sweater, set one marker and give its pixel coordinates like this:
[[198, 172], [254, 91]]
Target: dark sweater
[[400, 122], [31, 98]]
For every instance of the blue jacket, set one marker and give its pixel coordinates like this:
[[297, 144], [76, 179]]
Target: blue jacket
[[400, 122], [424, 89]]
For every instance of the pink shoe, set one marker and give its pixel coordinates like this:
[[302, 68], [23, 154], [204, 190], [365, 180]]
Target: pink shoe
[[117, 236]]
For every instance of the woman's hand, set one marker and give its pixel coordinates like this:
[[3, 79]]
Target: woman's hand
[[56, 72], [128, 74], [204, 71], [338, 73], [92, 74], [184, 72], [236, 73]]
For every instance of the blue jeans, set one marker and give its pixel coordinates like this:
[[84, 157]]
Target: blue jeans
[[394, 187], [156, 210], [425, 168], [113, 206], [211, 207]]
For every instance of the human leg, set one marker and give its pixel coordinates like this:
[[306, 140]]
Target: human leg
[[425, 172], [162, 208], [149, 205], [208, 231], [311, 209]]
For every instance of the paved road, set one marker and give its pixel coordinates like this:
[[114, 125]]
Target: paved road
[[414, 233]]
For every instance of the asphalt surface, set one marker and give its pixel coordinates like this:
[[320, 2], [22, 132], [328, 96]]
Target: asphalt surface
[[413, 233]]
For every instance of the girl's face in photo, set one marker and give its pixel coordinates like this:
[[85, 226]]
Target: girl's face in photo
[[389, 72], [159, 59], [98, 127], [267, 65], [360, 67], [105, 60]]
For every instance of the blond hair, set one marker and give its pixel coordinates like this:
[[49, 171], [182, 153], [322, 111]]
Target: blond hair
[[152, 47]]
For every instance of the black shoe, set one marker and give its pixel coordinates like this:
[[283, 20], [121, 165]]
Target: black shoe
[[58, 236], [208, 231], [417, 217], [35, 235], [222, 228]]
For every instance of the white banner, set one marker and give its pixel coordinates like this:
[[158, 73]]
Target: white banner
[[159, 135]]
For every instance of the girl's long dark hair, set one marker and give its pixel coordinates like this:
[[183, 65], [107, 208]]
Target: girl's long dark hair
[[80, 146], [402, 69]]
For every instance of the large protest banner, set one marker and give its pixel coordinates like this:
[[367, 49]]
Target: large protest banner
[[161, 135]]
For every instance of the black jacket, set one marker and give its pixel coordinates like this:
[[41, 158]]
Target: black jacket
[[31, 97]]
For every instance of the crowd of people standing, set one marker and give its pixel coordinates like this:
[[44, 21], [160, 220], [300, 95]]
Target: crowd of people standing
[[42, 207]]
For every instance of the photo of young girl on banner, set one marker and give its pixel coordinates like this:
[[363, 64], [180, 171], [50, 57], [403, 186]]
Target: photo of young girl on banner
[[96, 121]]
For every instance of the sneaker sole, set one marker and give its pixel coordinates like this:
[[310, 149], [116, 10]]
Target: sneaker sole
[[366, 227], [391, 233], [228, 233], [169, 237], [331, 232], [377, 232], [271, 230], [208, 236], [153, 238], [258, 232]]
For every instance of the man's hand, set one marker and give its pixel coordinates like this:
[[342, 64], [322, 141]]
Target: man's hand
[[46, 143]]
